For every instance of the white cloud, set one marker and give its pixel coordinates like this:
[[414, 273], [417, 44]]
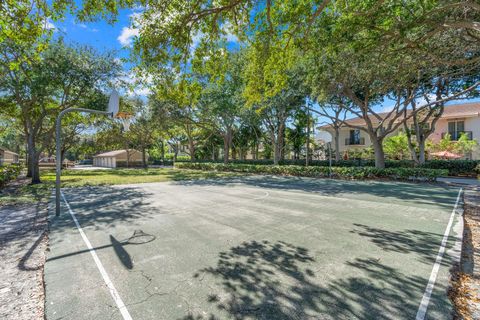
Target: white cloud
[[83, 25], [49, 25], [137, 86], [126, 36]]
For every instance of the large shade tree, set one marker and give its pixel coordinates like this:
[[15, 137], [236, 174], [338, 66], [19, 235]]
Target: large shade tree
[[63, 77]]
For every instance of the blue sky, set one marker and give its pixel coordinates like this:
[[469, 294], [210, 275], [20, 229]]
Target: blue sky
[[100, 35]]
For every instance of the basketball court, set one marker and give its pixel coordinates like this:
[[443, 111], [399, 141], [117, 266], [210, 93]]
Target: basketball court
[[253, 248]]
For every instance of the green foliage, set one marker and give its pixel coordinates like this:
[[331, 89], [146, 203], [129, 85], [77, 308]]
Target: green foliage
[[356, 173], [454, 167], [445, 144], [396, 147], [9, 173], [464, 145]]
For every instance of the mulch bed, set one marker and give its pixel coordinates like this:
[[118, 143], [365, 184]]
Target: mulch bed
[[465, 282], [23, 242]]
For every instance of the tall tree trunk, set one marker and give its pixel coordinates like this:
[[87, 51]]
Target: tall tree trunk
[[144, 158], [227, 139], [162, 152], [30, 155], [379, 153], [421, 152], [36, 168], [191, 147], [281, 139], [307, 158], [337, 144]]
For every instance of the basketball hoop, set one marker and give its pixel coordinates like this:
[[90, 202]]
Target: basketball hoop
[[125, 119]]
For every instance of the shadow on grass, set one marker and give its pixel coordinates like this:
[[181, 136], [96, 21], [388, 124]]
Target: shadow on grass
[[265, 280]]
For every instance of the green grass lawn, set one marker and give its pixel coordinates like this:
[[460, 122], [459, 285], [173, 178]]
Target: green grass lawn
[[78, 178]]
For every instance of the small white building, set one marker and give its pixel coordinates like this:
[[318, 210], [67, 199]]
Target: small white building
[[118, 158]]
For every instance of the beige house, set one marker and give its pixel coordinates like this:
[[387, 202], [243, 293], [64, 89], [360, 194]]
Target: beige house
[[456, 119], [119, 158], [8, 157]]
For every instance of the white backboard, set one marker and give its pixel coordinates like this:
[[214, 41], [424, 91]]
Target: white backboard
[[113, 104]]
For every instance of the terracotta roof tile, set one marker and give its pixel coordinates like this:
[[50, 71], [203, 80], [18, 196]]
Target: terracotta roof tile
[[451, 111]]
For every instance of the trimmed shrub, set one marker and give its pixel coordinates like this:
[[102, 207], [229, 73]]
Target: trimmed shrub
[[454, 167], [356, 173], [9, 173]]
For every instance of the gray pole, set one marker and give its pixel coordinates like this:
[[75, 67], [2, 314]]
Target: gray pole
[[59, 147], [330, 159]]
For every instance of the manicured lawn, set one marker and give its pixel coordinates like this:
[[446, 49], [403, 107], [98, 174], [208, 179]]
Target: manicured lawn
[[79, 178]]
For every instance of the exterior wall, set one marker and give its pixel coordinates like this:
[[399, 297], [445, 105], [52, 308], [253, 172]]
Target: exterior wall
[[113, 161], [8, 157], [471, 124]]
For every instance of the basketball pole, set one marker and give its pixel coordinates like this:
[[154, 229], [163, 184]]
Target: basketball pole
[[58, 139]]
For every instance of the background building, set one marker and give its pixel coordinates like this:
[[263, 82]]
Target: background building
[[119, 158]]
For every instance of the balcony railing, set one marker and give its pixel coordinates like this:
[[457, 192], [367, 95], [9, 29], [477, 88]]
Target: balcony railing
[[456, 135], [353, 142]]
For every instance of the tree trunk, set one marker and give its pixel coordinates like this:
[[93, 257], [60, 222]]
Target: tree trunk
[[191, 147], [30, 155], [162, 153], [379, 153], [281, 140], [144, 158], [337, 144], [227, 138], [35, 169], [421, 152]]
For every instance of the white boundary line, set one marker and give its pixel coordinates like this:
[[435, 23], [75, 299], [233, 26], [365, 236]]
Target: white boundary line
[[422, 309], [116, 297]]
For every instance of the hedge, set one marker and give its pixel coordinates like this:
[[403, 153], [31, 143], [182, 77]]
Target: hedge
[[322, 172], [9, 173], [454, 167]]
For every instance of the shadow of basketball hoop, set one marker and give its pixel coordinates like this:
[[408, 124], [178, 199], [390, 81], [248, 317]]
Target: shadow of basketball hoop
[[138, 237]]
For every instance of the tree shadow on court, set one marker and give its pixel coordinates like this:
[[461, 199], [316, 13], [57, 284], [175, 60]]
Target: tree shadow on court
[[423, 244], [265, 280], [414, 193], [103, 206]]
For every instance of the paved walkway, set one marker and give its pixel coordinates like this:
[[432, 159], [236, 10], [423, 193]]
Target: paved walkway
[[463, 181]]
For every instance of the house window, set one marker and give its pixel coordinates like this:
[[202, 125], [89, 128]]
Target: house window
[[355, 136], [455, 129]]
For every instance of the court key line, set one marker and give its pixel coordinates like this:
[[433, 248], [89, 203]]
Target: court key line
[[116, 297], [422, 309]]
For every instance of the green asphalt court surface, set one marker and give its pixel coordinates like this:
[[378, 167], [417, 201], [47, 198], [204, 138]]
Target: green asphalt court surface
[[251, 248]]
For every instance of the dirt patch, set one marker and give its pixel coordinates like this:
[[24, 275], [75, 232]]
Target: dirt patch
[[465, 282], [23, 241]]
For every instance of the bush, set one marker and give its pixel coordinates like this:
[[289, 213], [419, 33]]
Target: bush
[[454, 167], [356, 173], [9, 173], [477, 169]]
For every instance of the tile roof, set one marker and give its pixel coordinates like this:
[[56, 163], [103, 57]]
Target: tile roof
[[113, 153], [451, 111]]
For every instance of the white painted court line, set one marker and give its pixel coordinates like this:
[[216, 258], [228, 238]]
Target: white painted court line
[[116, 297], [422, 309]]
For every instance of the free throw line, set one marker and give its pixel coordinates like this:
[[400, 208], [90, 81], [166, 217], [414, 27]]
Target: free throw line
[[422, 309], [116, 297]]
